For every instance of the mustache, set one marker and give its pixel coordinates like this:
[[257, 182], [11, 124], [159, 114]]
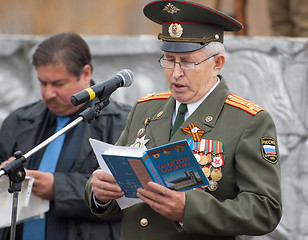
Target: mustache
[[52, 101]]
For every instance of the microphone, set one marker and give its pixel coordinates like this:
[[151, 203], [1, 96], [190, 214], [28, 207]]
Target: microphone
[[124, 78]]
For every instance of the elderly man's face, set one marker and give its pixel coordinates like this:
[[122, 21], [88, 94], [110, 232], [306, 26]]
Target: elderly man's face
[[188, 86], [58, 85]]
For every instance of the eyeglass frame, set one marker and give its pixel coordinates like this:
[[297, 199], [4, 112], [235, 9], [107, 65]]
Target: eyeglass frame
[[174, 62]]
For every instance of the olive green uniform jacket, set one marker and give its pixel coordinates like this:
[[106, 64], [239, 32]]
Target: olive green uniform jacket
[[248, 198]]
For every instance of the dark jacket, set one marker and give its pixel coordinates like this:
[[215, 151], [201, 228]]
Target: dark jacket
[[22, 130]]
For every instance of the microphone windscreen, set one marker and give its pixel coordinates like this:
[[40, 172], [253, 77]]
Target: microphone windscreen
[[127, 77]]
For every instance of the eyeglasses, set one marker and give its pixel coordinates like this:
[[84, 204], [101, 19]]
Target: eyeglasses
[[169, 64]]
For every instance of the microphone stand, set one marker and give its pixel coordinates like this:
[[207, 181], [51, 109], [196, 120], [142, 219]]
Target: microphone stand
[[15, 169]]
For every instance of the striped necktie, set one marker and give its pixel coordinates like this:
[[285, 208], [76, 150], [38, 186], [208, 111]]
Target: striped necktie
[[180, 116], [34, 229]]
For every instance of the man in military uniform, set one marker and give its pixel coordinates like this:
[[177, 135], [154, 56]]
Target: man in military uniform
[[233, 139]]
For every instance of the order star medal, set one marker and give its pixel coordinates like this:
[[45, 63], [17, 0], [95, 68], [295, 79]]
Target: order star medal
[[140, 142]]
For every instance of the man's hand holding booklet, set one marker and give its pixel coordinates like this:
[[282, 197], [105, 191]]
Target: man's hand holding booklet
[[172, 165]]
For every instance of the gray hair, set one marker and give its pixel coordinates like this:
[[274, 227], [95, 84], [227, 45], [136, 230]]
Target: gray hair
[[214, 48]]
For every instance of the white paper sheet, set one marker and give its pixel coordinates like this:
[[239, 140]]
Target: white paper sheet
[[29, 205]]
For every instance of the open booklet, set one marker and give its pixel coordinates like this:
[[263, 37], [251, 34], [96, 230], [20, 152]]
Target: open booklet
[[172, 165]]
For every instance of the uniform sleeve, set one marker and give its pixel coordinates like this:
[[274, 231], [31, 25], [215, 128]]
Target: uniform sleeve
[[111, 210], [256, 209]]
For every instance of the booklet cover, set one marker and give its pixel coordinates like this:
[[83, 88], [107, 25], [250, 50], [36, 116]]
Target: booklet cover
[[172, 165]]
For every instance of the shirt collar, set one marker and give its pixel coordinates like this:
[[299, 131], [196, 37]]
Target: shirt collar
[[191, 107]]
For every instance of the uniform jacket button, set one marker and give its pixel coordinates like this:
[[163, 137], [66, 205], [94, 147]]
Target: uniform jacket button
[[144, 222]]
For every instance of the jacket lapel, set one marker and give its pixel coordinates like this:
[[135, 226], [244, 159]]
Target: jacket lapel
[[27, 137], [161, 123]]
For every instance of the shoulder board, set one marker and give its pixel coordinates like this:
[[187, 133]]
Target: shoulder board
[[242, 103], [155, 96]]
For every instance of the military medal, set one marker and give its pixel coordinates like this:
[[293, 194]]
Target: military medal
[[205, 159], [207, 171], [213, 185], [140, 143], [141, 131], [217, 161], [216, 175], [198, 157], [140, 140]]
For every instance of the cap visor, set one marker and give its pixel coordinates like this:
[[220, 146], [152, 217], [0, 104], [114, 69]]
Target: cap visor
[[180, 47]]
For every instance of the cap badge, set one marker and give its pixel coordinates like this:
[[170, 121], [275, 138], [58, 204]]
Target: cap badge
[[175, 30], [169, 8]]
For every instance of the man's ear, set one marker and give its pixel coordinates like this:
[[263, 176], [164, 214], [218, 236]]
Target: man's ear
[[219, 62], [87, 74]]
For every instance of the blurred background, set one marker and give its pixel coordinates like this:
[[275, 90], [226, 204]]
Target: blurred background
[[116, 17]]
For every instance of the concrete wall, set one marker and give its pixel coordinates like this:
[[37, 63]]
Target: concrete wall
[[271, 72]]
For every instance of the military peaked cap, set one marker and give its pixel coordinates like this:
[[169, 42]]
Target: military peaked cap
[[188, 26]]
